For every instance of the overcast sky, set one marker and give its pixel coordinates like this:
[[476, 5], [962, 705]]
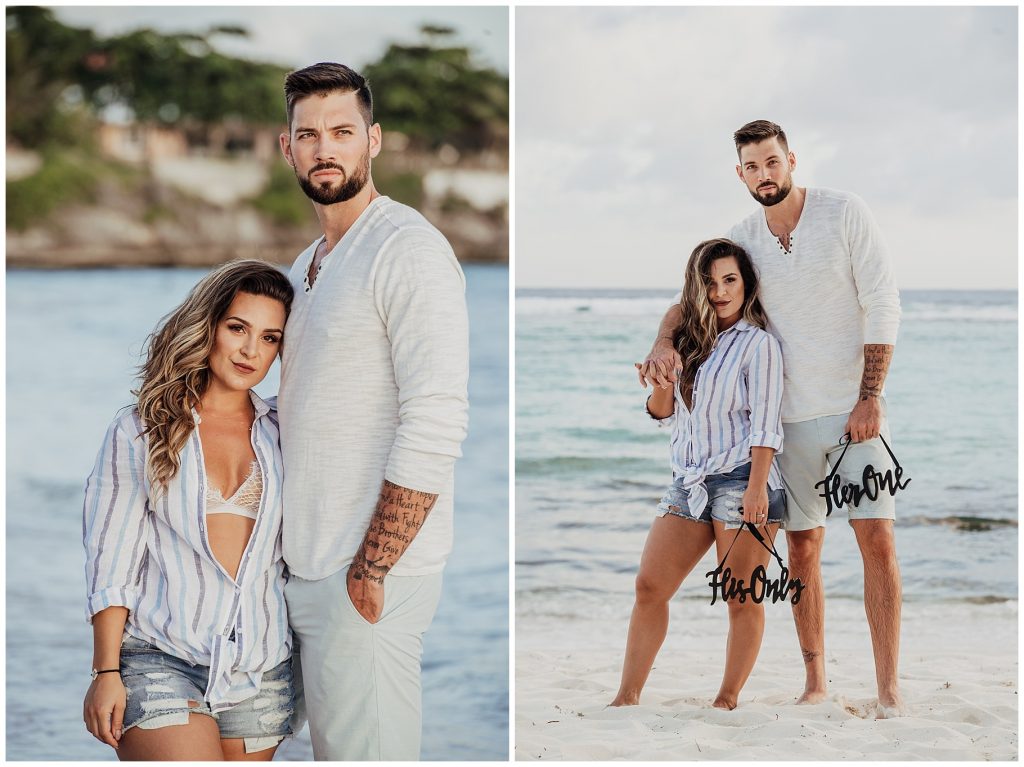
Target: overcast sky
[[624, 121], [295, 37]]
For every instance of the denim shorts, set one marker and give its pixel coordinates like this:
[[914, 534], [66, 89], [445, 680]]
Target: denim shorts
[[725, 499], [159, 687]]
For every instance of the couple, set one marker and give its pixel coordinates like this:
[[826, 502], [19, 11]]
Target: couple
[[224, 532], [814, 260]]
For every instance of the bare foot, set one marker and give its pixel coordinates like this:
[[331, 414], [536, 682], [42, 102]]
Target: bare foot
[[724, 702], [810, 697], [626, 700], [890, 707]]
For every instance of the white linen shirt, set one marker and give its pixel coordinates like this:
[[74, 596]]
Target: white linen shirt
[[153, 556], [737, 405]]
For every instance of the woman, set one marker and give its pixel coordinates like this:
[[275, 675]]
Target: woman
[[182, 523], [726, 427]]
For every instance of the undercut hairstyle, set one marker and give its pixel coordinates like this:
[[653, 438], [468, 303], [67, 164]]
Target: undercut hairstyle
[[176, 372], [323, 79], [695, 338], [757, 131]]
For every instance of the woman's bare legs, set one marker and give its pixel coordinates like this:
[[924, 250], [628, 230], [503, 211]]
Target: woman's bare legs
[[199, 740], [674, 546], [746, 620], [234, 751]]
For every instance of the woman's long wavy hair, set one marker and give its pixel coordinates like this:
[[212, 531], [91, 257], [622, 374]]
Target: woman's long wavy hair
[[176, 372], [696, 335]]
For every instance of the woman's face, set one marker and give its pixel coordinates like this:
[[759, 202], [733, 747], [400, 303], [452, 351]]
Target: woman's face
[[725, 291], [247, 340]]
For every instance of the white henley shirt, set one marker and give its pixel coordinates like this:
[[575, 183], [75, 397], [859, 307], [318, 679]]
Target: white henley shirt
[[373, 387], [828, 296]]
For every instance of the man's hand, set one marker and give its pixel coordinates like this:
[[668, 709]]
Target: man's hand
[[865, 422], [399, 515], [365, 585], [659, 369]]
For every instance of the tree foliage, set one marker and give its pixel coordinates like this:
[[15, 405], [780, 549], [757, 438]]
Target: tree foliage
[[58, 76], [160, 77], [436, 94]]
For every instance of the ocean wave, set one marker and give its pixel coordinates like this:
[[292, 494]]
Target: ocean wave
[[645, 306], [962, 522], [568, 600], [959, 313], [578, 464], [605, 306]]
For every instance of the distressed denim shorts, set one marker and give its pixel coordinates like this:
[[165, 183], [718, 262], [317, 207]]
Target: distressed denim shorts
[[725, 499], [160, 686]]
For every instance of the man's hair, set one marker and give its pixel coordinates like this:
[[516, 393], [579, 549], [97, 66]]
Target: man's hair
[[757, 131], [324, 78]]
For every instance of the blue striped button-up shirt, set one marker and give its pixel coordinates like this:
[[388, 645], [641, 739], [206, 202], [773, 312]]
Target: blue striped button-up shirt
[[737, 405], [153, 556]]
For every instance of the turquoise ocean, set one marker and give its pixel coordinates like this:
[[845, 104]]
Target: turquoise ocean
[[591, 466], [73, 339]]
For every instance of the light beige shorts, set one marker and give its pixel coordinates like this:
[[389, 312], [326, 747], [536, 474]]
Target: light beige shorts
[[811, 450]]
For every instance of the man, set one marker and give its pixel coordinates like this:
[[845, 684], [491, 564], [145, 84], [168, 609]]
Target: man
[[831, 300], [373, 408]]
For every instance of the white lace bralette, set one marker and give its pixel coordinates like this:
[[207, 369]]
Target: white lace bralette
[[245, 501]]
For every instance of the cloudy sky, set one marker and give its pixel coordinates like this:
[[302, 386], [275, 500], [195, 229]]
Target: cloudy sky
[[295, 37], [624, 121]]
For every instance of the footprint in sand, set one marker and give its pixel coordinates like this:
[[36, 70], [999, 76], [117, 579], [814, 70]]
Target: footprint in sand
[[859, 710]]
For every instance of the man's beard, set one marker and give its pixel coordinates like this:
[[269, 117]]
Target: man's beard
[[773, 198], [349, 188]]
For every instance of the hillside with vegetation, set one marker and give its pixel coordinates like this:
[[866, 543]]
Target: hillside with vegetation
[[155, 149]]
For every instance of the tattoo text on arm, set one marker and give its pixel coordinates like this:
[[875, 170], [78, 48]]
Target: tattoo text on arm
[[399, 515], [876, 366]]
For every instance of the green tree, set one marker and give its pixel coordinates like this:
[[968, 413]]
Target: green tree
[[436, 94], [44, 59], [170, 78]]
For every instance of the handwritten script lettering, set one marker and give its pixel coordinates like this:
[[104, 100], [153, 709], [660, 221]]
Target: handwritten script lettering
[[837, 495], [761, 586]]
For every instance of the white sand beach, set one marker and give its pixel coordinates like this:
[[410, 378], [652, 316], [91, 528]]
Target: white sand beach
[[958, 671]]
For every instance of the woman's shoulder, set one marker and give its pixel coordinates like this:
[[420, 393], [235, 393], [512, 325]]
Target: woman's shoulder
[[265, 407], [127, 421], [762, 340]]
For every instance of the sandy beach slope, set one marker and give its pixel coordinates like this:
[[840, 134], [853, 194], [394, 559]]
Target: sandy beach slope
[[958, 670]]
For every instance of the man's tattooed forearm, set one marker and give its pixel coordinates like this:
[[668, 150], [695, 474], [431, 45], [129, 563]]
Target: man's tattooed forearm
[[399, 515], [876, 366]]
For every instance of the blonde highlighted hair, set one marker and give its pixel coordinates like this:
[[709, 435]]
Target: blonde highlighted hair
[[696, 336], [176, 372]]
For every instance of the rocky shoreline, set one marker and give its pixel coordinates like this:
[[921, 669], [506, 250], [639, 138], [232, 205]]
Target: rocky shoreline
[[197, 212]]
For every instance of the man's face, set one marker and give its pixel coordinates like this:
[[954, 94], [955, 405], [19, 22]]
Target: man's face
[[330, 146], [767, 170]]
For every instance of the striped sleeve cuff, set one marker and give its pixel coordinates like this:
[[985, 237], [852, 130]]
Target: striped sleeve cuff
[[115, 596], [766, 439]]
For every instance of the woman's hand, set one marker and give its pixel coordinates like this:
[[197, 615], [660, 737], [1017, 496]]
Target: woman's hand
[[661, 367], [104, 708], [755, 504]]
